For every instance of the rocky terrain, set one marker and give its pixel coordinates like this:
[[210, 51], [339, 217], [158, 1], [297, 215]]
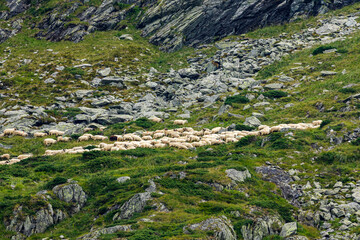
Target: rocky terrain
[[123, 71]]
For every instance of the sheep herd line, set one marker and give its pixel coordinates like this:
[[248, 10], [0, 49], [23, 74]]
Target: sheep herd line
[[181, 138]]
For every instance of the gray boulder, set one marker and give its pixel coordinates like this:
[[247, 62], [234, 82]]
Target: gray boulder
[[123, 179], [135, 204], [238, 176], [73, 194], [252, 121], [189, 73], [221, 226], [288, 229]]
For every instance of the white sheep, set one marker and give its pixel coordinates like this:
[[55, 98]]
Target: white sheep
[[99, 138], [24, 156], [275, 129], [216, 130], [5, 156], [20, 133], [88, 129], [83, 138], [147, 138], [56, 132], [49, 141], [40, 134], [155, 119], [9, 131], [63, 139], [317, 122], [180, 122]]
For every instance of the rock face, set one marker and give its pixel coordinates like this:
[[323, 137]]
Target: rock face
[[170, 23], [135, 204], [71, 193], [45, 215], [282, 179], [221, 226], [238, 176], [37, 223], [173, 23], [288, 229], [262, 227]]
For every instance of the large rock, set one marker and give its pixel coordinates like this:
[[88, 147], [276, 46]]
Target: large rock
[[221, 226], [135, 204], [288, 229], [238, 176], [262, 227], [252, 121], [46, 215], [327, 29], [282, 179], [173, 23], [73, 194]]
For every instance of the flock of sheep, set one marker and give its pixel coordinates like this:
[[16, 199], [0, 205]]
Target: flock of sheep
[[182, 138]]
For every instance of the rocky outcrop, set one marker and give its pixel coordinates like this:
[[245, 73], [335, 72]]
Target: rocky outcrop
[[282, 179], [238, 176], [135, 204], [37, 223], [72, 194], [173, 23], [110, 230], [45, 215], [262, 227], [222, 228]]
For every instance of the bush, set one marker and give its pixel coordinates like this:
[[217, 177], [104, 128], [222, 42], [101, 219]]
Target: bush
[[356, 142], [347, 90], [100, 184], [236, 99], [321, 49], [86, 156], [48, 168], [275, 94], [75, 136], [283, 210], [329, 157], [188, 188], [245, 141], [240, 127], [74, 71], [144, 123], [324, 123], [278, 141], [99, 164], [239, 224], [56, 181]]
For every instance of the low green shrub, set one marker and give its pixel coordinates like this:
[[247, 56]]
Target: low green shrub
[[321, 49], [239, 224], [86, 156], [245, 141], [275, 94], [144, 123], [56, 181], [279, 141], [325, 122], [356, 142], [241, 127], [236, 99], [347, 90]]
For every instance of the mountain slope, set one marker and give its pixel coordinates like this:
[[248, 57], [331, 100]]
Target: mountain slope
[[292, 184]]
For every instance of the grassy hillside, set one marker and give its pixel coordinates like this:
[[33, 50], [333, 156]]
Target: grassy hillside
[[194, 198]]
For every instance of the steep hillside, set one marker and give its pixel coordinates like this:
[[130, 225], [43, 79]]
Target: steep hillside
[[141, 175]]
